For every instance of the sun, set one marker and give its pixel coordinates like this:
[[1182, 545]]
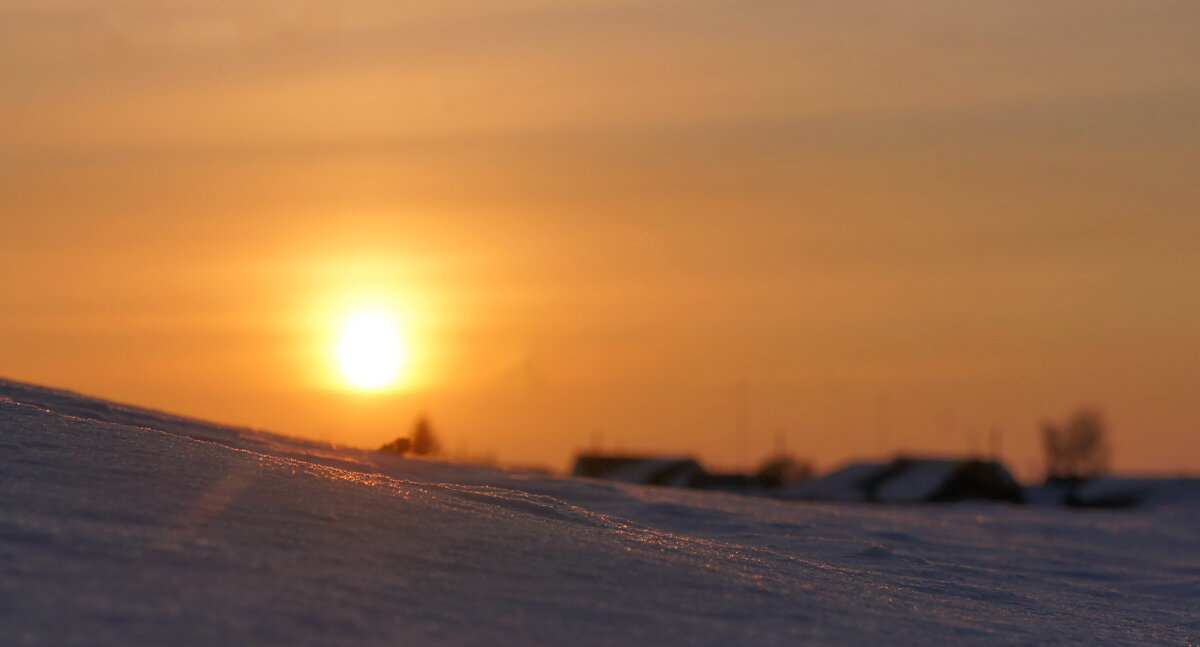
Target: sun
[[369, 350]]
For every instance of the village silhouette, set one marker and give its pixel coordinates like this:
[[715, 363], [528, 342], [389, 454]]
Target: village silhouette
[[1076, 452]]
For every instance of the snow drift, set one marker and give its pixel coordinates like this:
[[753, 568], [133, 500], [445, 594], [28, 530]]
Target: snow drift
[[122, 526]]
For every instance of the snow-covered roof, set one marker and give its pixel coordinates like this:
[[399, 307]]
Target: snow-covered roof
[[919, 480], [848, 483], [644, 470], [909, 480]]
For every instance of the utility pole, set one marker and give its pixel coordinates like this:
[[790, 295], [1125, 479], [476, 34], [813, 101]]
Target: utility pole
[[740, 396], [882, 428]]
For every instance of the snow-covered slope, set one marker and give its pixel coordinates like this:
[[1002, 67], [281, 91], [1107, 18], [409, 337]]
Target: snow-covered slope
[[121, 526]]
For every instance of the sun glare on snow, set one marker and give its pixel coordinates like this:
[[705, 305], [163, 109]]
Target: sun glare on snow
[[369, 350]]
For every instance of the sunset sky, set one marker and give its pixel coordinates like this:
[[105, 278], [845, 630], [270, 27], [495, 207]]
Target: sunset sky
[[870, 227]]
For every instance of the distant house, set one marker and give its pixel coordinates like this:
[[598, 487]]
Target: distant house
[[642, 470], [665, 471], [852, 482], [911, 480], [1118, 491]]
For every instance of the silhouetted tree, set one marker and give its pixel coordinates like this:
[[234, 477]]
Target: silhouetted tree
[[423, 440], [1077, 450], [781, 469]]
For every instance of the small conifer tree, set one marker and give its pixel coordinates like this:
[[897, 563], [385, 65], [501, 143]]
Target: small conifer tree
[[424, 442]]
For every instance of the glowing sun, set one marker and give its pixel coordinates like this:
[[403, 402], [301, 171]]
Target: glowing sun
[[369, 350]]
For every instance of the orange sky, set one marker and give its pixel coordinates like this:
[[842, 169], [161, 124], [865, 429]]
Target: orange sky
[[898, 225]]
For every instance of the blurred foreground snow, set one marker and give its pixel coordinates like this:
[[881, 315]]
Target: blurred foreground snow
[[122, 526]]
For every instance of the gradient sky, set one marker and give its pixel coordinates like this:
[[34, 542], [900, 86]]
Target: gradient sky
[[889, 226]]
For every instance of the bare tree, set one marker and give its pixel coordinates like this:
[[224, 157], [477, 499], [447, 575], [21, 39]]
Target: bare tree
[[1077, 450]]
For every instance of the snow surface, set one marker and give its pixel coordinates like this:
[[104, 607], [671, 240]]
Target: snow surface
[[122, 526]]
